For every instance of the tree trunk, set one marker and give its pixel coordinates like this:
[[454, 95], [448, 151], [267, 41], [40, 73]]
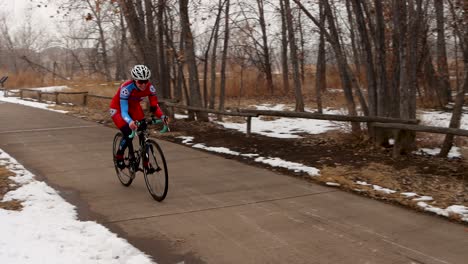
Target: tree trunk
[[381, 135], [266, 49], [394, 90], [284, 49], [222, 93], [411, 19], [207, 53], [368, 58], [459, 100], [194, 84], [151, 56], [164, 75], [295, 63], [213, 67], [320, 76], [121, 71], [456, 116], [302, 51], [342, 65], [442, 65], [435, 91]]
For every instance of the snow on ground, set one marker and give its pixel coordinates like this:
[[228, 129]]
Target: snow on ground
[[57, 234], [16, 100], [439, 119], [284, 127], [454, 152], [47, 230], [51, 88]]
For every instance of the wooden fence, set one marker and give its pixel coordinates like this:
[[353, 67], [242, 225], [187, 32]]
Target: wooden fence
[[381, 122]]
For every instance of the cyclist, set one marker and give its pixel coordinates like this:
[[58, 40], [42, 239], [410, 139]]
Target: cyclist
[[126, 110]]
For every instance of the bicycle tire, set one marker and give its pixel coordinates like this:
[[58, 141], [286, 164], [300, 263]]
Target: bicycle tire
[[159, 173], [126, 175]]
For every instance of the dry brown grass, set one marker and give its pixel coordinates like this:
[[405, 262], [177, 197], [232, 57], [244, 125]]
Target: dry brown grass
[[25, 79], [6, 185], [443, 190]]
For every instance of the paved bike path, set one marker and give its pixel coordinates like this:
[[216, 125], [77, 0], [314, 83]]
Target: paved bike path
[[219, 210]]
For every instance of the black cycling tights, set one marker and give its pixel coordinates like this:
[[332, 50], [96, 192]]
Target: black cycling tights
[[126, 141]]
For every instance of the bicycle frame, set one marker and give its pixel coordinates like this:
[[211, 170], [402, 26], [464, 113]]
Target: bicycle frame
[[143, 136], [136, 155]]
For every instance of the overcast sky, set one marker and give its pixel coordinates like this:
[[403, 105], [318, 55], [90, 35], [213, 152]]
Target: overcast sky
[[17, 11]]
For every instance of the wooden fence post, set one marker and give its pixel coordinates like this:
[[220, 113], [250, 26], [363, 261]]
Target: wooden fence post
[[85, 99], [249, 125], [56, 98], [39, 96]]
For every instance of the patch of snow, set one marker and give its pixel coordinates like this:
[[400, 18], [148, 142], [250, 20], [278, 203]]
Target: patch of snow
[[297, 167], [439, 118], [16, 100], [47, 230], [409, 194], [454, 152], [250, 155], [384, 190], [363, 183], [423, 198], [186, 140], [51, 88], [217, 149]]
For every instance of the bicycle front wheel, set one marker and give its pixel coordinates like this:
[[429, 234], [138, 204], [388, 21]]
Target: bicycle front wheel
[[127, 174], [156, 174]]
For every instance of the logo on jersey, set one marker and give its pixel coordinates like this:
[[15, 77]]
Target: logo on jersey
[[112, 111], [152, 89], [124, 92]]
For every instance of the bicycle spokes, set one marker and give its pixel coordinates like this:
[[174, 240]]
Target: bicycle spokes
[[156, 175]]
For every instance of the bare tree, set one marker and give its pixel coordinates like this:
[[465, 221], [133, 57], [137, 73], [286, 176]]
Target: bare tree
[[284, 48], [266, 49], [333, 37], [294, 58], [164, 73], [140, 20], [320, 76], [213, 66], [213, 38], [194, 84], [222, 88], [462, 33], [442, 65]]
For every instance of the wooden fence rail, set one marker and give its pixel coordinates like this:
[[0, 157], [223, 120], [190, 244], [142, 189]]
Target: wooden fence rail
[[421, 128], [344, 118], [212, 111], [381, 122]]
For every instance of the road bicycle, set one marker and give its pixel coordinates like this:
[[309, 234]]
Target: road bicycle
[[155, 173]]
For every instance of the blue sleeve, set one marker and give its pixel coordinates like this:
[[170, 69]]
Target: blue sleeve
[[124, 94]]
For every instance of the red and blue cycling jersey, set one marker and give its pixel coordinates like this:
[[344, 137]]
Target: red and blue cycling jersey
[[125, 105]]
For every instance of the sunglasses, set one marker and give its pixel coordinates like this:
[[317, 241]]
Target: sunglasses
[[142, 81]]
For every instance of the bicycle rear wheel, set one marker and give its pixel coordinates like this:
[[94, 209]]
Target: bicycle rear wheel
[[156, 175], [127, 174]]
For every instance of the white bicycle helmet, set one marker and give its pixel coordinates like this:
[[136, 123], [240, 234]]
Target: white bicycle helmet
[[140, 72]]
